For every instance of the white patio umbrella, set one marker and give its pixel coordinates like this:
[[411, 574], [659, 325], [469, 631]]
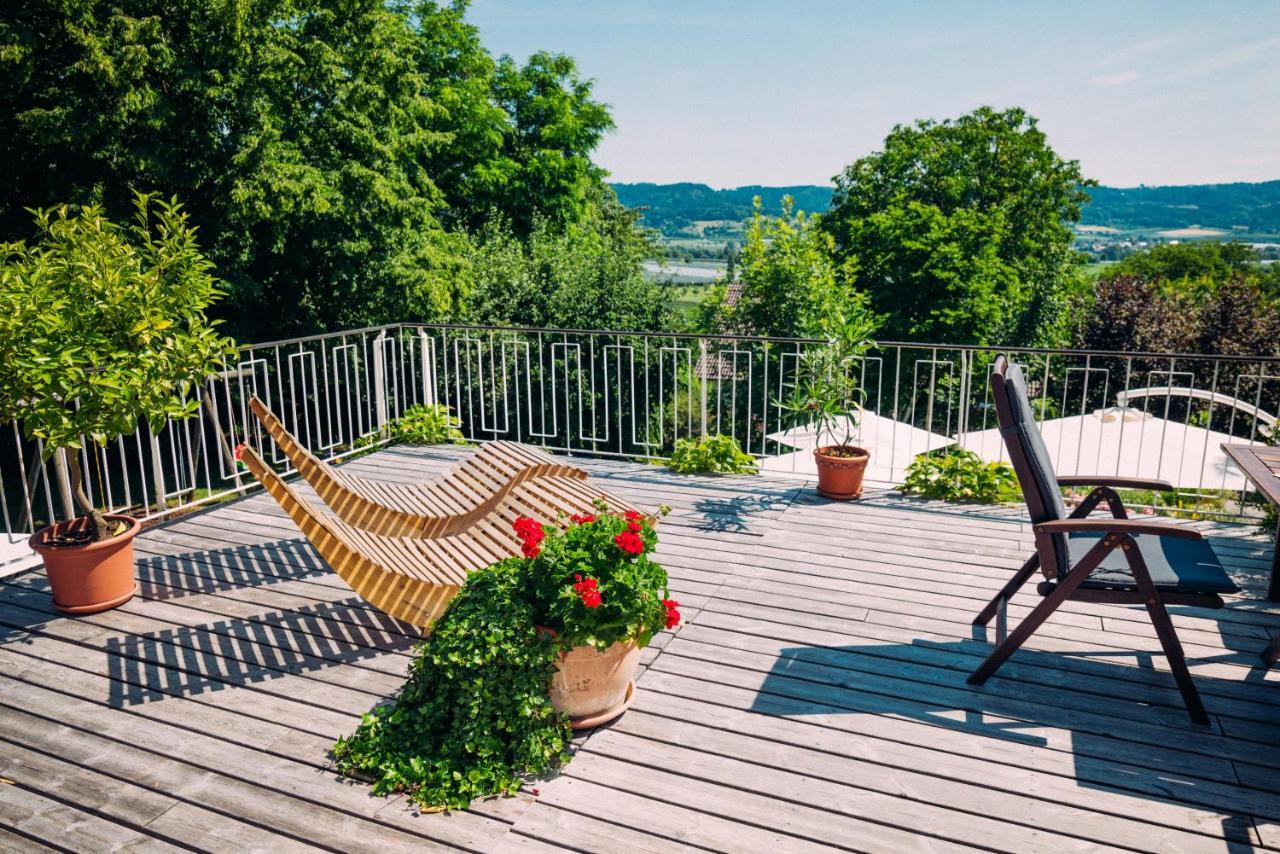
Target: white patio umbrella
[[1130, 443], [893, 445]]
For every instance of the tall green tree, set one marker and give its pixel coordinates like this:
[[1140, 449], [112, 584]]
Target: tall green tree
[[960, 230], [788, 277], [587, 275], [328, 151]]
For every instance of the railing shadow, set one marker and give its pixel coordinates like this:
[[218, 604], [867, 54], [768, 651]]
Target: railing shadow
[[169, 577], [924, 681], [188, 660]]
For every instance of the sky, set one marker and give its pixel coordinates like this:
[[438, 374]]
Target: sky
[[778, 93]]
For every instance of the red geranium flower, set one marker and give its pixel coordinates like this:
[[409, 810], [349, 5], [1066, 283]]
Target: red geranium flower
[[582, 518], [673, 616], [630, 542], [239, 452], [531, 534], [588, 590], [634, 527], [633, 516]]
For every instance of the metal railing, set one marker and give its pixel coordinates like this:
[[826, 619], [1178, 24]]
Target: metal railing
[[634, 394]]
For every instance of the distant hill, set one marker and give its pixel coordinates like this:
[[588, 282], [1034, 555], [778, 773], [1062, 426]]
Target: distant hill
[[671, 208]]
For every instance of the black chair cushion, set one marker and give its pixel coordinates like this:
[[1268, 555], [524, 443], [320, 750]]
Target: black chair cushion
[[1189, 566]]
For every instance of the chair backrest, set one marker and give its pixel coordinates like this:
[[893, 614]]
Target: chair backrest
[[1030, 460]]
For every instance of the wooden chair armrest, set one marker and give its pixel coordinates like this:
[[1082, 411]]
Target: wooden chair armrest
[[1117, 526], [1115, 481]]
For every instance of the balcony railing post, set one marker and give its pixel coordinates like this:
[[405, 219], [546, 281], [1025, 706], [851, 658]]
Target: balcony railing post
[[703, 380], [379, 383]]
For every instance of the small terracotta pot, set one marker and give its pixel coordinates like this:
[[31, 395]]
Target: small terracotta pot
[[93, 577], [840, 477], [594, 687]]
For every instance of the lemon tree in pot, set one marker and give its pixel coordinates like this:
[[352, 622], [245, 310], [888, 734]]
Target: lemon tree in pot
[[102, 327], [828, 396]]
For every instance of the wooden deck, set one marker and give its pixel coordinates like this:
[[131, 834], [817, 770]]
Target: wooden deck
[[813, 699]]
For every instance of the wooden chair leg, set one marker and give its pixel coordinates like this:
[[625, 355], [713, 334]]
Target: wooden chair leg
[[1006, 593], [1165, 631], [1271, 654], [1041, 612]]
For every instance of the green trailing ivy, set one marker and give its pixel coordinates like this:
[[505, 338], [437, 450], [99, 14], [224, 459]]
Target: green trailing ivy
[[718, 454], [430, 424], [954, 474], [473, 719]]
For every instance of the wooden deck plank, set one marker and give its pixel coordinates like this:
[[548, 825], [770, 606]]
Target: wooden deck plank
[[814, 700]]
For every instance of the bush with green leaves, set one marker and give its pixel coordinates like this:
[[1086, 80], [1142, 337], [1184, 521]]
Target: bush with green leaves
[[954, 474], [711, 454], [474, 718], [103, 326], [427, 424]]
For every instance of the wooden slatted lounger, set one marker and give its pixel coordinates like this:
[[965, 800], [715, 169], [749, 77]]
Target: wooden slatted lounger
[[438, 508], [413, 578]]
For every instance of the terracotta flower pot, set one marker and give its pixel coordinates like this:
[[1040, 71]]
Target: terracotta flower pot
[[840, 477], [93, 577], [594, 687]]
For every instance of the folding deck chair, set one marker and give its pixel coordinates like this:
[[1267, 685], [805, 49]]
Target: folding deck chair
[[438, 508], [413, 579], [1117, 560]]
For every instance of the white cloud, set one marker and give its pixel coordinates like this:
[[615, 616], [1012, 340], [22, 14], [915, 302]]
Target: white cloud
[[1244, 54], [1106, 81]]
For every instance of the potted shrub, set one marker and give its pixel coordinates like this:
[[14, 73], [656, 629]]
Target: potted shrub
[[594, 587], [527, 643], [101, 327], [828, 398]]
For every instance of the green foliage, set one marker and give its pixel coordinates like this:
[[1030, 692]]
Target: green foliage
[[1194, 260], [717, 454], [103, 325], [671, 208], [787, 274], [633, 597], [828, 393], [954, 474], [331, 154], [474, 718], [426, 425], [959, 229], [586, 275]]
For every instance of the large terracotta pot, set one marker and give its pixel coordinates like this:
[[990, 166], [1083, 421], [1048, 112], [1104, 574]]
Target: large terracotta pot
[[840, 477], [594, 687], [93, 577]]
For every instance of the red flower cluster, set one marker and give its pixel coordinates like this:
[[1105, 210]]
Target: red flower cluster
[[630, 542], [588, 589], [530, 533], [582, 518], [673, 616], [633, 516]]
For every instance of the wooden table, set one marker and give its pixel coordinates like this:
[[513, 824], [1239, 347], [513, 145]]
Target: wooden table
[[1261, 465]]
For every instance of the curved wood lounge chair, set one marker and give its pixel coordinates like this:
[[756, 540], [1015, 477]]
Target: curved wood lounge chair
[[438, 508], [1117, 560], [413, 579]]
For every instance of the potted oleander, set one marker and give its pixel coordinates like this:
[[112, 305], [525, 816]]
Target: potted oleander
[[102, 328], [828, 397], [594, 587]]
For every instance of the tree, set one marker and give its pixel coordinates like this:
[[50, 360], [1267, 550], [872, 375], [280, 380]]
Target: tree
[[960, 230], [1202, 259], [789, 281], [102, 326], [587, 275], [329, 152]]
